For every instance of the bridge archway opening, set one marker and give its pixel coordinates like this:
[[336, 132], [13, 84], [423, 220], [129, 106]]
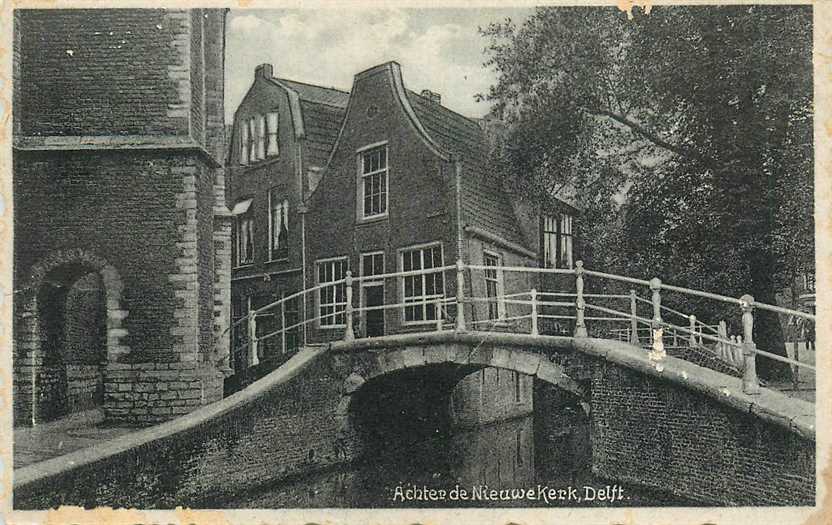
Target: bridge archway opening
[[407, 405]]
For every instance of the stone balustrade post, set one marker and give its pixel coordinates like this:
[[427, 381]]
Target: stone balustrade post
[[439, 318], [349, 333], [750, 384], [580, 326], [656, 299], [533, 294], [692, 337], [253, 359], [460, 295], [633, 319]]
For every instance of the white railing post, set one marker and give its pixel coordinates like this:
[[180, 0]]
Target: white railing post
[[692, 337], [750, 384], [349, 333], [533, 294], [439, 319], [580, 326], [253, 359], [460, 295], [656, 299], [633, 319]]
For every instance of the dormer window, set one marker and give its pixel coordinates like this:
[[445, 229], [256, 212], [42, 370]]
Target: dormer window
[[372, 166], [272, 146]]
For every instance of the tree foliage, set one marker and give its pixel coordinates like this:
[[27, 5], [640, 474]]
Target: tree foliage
[[685, 134]]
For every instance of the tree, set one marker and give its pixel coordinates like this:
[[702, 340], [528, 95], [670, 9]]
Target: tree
[[685, 134]]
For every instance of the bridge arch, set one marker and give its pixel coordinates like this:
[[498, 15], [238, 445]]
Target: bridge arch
[[369, 366], [71, 326]]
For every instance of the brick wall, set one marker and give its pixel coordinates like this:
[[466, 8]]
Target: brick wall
[[644, 430], [127, 70], [419, 194], [654, 433]]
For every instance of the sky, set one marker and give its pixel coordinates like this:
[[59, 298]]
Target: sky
[[438, 49]]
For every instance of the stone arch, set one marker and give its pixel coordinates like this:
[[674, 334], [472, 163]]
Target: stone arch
[[372, 365], [29, 351]]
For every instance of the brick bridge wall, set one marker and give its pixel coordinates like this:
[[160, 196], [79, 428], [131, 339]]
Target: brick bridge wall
[[670, 432]]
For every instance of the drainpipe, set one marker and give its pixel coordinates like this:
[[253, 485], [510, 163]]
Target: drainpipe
[[302, 184], [458, 181]]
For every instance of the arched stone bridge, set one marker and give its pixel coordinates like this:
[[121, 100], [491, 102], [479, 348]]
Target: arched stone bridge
[[657, 421]]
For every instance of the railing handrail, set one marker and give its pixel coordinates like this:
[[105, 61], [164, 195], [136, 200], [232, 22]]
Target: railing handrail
[[516, 309]]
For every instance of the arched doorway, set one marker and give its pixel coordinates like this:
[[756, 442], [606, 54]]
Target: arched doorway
[[68, 328], [73, 334]]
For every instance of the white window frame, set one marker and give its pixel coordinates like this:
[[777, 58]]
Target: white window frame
[[261, 136], [370, 282], [497, 279], [252, 141], [285, 203], [361, 211], [318, 302], [272, 137], [244, 139], [558, 244], [425, 300]]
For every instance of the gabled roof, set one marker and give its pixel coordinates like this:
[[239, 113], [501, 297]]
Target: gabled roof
[[317, 113], [485, 203], [318, 94]]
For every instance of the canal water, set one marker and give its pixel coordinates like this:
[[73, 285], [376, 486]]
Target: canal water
[[515, 463]]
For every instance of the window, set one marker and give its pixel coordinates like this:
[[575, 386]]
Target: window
[[252, 142], [332, 300], [245, 237], [278, 225], [421, 291], [261, 137], [494, 285], [272, 148], [557, 241], [244, 139], [373, 184], [372, 264], [565, 252]]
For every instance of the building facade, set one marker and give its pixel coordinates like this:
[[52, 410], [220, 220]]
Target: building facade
[[122, 237], [376, 181], [281, 137]]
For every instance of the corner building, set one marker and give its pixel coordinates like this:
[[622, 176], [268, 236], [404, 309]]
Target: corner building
[[122, 236]]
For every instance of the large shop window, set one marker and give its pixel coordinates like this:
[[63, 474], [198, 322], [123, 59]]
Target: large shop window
[[421, 291], [332, 299]]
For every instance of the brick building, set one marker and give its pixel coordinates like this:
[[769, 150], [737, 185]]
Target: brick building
[[378, 180], [122, 235], [281, 137]]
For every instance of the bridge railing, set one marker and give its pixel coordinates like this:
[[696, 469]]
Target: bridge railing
[[466, 297]]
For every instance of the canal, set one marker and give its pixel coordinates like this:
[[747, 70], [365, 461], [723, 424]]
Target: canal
[[517, 463]]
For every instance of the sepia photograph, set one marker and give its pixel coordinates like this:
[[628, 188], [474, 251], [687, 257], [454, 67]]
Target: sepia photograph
[[549, 257]]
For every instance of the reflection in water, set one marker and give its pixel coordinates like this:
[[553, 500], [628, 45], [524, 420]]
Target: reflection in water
[[471, 468]]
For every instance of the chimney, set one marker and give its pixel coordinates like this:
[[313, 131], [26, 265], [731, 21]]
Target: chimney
[[264, 71], [436, 98]]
